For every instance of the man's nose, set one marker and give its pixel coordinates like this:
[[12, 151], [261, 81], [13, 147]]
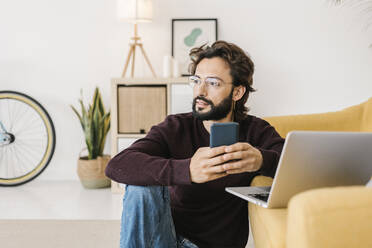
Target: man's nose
[[201, 89]]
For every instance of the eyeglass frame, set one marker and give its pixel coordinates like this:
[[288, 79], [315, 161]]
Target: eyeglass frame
[[207, 84]]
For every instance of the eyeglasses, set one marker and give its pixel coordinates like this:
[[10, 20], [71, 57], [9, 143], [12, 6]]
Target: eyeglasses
[[210, 82]]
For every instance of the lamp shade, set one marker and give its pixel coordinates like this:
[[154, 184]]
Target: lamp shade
[[134, 10]]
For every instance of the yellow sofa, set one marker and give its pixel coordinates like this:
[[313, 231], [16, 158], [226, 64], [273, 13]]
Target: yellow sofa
[[328, 217]]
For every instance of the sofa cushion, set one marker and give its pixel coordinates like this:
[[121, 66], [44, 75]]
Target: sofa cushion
[[331, 217]]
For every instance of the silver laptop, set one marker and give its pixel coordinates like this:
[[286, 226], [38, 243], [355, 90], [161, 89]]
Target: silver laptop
[[312, 160]]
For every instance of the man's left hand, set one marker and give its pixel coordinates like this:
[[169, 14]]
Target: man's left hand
[[241, 157]]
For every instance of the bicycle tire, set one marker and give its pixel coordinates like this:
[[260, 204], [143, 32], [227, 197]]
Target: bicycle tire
[[51, 138]]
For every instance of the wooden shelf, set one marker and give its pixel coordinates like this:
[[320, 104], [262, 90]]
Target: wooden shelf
[[128, 135], [184, 98]]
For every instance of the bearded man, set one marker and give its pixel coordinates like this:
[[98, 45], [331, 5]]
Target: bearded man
[[175, 183]]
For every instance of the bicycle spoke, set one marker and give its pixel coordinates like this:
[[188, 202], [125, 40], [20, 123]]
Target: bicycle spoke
[[27, 156], [2, 157], [15, 112], [11, 118], [23, 169], [33, 122], [19, 118], [22, 163], [31, 151], [13, 168], [29, 130], [16, 161], [5, 159]]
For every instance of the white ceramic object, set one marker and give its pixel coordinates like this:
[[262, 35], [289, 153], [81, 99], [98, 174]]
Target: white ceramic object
[[176, 68], [167, 66]]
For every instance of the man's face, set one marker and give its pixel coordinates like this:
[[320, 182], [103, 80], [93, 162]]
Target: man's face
[[213, 93]]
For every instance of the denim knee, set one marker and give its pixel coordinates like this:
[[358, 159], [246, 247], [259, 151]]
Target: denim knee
[[146, 193]]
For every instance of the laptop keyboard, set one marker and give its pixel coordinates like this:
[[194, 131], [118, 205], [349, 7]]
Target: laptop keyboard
[[259, 190], [263, 197]]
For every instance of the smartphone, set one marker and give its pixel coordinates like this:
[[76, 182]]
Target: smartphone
[[226, 133]]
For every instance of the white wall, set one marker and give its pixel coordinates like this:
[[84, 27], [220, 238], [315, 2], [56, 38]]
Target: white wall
[[310, 57]]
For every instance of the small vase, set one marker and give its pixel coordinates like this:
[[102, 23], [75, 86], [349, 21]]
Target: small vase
[[92, 172]]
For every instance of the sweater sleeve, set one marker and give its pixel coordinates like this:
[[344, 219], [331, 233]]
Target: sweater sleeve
[[270, 144], [147, 162]]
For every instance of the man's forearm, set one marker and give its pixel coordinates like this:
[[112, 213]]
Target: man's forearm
[[138, 168]]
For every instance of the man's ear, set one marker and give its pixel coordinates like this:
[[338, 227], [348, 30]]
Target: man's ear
[[238, 92]]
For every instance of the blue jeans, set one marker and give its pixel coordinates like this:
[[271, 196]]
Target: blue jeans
[[147, 220]]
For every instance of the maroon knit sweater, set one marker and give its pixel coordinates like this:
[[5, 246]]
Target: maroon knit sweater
[[203, 213]]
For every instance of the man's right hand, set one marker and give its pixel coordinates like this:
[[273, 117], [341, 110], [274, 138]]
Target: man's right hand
[[206, 164]]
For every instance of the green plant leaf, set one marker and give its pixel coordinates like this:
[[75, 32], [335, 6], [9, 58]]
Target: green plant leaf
[[79, 116], [83, 111], [99, 102], [97, 131], [92, 133], [95, 100], [105, 128]]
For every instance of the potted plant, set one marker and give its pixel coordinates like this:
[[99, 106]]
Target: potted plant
[[95, 122]]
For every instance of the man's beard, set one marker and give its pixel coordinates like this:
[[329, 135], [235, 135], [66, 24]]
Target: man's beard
[[217, 112]]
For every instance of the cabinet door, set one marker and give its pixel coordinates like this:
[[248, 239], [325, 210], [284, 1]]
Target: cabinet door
[[141, 107], [181, 98], [124, 143]]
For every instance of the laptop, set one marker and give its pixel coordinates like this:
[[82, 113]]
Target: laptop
[[312, 160]]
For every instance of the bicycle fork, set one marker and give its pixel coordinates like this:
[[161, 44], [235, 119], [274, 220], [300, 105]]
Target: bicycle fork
[[5, 137]]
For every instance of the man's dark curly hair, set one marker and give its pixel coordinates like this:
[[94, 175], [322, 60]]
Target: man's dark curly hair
[[241, 69]]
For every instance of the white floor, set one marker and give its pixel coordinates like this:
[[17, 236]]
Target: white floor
[[59, 214], [58, 200], [57, 207]]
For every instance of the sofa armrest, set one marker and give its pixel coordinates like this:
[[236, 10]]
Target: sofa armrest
[[268, 225], [262, 181], [330, 217]]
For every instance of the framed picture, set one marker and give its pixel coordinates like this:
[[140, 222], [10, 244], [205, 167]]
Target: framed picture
[[190, 33]]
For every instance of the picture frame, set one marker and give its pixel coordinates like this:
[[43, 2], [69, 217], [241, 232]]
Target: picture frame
[[190, 33]]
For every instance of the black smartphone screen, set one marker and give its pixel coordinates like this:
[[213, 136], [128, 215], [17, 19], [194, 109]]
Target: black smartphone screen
[[226, 133]]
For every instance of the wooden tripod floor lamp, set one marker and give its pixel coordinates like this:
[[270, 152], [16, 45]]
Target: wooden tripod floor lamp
[[135, 11], [132, 54]]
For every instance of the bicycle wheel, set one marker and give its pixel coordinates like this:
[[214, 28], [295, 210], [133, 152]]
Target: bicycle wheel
[[27, 138]]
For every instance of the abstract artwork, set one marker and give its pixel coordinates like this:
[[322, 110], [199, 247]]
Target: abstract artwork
[[190, 33]]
